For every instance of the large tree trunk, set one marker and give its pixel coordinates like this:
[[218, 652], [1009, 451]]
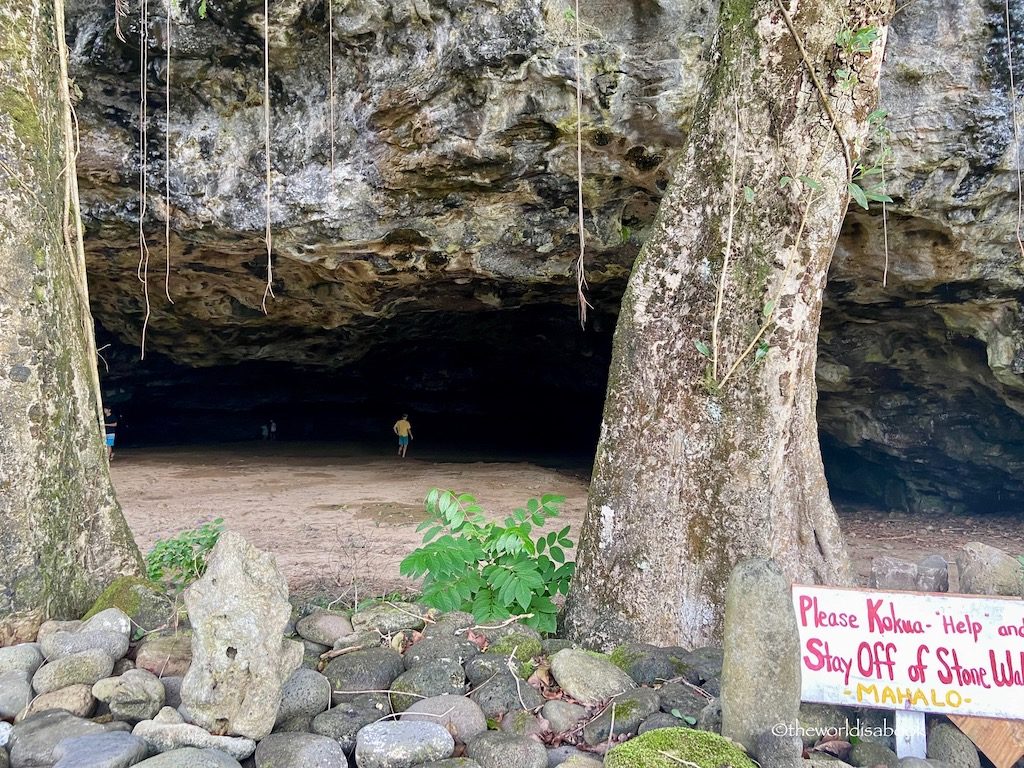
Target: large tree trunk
[[62, 535], [704, 460]]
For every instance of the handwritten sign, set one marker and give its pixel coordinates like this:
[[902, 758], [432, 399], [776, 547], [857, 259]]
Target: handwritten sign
[[910, 651]]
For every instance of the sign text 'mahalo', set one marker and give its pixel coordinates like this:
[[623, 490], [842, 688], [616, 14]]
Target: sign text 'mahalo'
[[922, 652]]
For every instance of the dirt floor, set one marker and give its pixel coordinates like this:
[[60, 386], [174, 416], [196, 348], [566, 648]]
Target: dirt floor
[[340, 519]]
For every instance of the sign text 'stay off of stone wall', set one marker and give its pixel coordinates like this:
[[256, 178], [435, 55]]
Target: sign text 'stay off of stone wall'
[[912, 651]]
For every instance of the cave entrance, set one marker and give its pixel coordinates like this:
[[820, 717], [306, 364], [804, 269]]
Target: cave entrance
[[526, 383]]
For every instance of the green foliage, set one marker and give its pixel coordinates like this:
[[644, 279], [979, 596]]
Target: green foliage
[[489, 569], [202, 9], [867, 185], [178, 561], [857, 40]]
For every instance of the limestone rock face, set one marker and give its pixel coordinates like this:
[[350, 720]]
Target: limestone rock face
[[452, 195], [240, 660]]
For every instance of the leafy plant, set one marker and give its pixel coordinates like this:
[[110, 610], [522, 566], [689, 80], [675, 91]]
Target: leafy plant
[[180, 560], [490, 569], [867, 184], [857, 40]]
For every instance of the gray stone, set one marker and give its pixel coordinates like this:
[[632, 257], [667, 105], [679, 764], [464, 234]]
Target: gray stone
[[103, 689], [402, 744], [682, 701], [645, 664], [190, 757], [486, 666], [581, 761], [662, 720], [60, 644], [435, 678], [705, 663], [360, 640], [710, 718], [115, 749], [522, 723], [588, 679], [168, 731], [5, 733], [867, 754], [561, 755], [240, 659], [778, 750], [324, 628], [121, 666], [451, 624], [108, 620], [503, 750], [933, 574], [817, 721], [505, 693], [915, 762], [451, 762], [165, 654], [985, 570], [761, 669], [552, 645], [139, 696], [344, 720], [461, 717], [893, 573], [76, 699], [299, 750], [304, 696], [84, 668], [388, 618], [15, 692], [948, 744], [172, 691], [563, 715], [624, 714], [25, 657], [33, 740], [453, 649], [507, 635], [370, 670]]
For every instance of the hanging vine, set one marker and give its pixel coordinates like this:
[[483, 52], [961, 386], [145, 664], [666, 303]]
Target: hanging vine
[[143, 271], [266, 151], [1016, 127], [581, 277], [330, 71], [167, 154]]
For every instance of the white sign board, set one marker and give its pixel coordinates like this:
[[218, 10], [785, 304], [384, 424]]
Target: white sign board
[[912, 651]]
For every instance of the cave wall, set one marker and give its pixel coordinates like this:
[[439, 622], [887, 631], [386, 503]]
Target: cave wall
[[451, 208]]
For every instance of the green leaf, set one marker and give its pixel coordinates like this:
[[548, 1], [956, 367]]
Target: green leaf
[[811, 183], [858, 194], [767, 310], [557, 554], [202, 9], [785, 181], [878, 197], [762, 350], [878, 116], [748, 194], [703, 348], [432, 533]]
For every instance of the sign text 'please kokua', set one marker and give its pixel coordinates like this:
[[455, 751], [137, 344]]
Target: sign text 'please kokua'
[[914, 651]]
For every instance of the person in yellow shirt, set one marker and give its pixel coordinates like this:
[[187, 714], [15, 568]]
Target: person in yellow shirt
[[403, 429]]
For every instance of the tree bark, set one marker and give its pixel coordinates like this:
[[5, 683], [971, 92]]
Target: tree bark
[[62, 534], [706, 459]]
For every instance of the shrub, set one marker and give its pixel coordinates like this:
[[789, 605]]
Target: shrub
[[178, 561], [491, 570]]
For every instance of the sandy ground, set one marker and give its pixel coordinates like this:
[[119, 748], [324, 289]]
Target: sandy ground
[[339, 520]]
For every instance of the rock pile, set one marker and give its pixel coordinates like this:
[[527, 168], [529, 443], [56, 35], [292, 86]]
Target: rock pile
[[397, 685]]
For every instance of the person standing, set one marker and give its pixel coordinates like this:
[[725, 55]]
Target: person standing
[[403, 429], [273, 430], [109, 428]]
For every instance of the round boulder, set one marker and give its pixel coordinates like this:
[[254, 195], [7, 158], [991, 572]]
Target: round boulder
[[299, 750], [462, 718], [403, 745]]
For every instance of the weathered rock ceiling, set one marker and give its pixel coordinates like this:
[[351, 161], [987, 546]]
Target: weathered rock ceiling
[[452, 202]]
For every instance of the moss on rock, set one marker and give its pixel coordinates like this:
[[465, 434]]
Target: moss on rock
[[522, 647], [668, 747], [144, 603]]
